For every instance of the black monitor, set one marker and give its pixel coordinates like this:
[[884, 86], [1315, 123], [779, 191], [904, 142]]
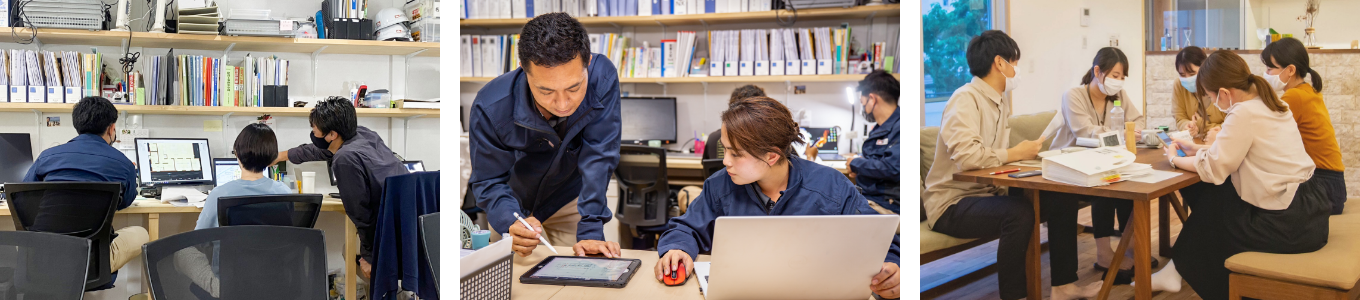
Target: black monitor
[[16, 155], [174, 161], [831, 134], [648, 118]]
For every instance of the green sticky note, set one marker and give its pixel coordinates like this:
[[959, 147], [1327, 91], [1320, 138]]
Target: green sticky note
[[888, 64]]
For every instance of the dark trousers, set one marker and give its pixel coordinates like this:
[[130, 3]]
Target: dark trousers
[[1222, 225], [1103, 213], [1011, 219], [1334, 184]]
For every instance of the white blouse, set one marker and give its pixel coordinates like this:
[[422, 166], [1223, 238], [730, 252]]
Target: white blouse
[[1263, 153]]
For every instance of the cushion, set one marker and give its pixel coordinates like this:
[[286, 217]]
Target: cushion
[[931, 240], [1029, 127], [1336, 265], [1352, 206]]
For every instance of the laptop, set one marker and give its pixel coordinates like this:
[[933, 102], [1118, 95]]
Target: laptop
[[797, 257], [225, 170], [414, 165]]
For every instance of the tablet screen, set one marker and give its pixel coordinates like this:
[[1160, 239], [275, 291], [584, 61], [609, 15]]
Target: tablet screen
[[583, 269]]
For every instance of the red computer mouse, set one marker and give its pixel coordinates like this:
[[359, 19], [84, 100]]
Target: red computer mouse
[[677, 277]]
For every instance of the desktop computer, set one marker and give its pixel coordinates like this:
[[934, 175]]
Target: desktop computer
[[173, 162], [16, 155], [830, 149], [646, 119]]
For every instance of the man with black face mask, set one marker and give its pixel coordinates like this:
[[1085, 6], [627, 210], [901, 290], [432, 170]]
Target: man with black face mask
[[89, 157], [360, 161], [876, 170]]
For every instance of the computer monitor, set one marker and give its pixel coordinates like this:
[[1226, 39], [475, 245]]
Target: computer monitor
[[16, 155], [226, 170], [648, 118], [174, 161], [829, 150], [414, 165]]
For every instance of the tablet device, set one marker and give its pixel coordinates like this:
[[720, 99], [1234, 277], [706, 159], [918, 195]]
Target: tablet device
[[582, 271]]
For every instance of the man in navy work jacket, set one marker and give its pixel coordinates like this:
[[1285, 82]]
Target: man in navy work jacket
[[876, 170], [761, 178], [89, 157], [545, 139]]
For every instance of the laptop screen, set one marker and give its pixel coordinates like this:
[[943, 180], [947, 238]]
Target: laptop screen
[[414, 166], [226, 169]]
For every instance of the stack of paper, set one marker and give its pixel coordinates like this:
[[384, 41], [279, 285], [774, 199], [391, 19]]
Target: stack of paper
[[1089, 168], [201, 20]]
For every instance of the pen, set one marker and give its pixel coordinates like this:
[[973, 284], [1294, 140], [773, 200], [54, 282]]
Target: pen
[[1005, 171], [540, 237]]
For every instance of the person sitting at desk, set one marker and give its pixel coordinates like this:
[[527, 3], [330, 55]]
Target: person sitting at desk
[[876, 170], [1190, 110], [362, 163], [89, 157], [763, 178], [1288, 60], [256, 149], [713, 147]]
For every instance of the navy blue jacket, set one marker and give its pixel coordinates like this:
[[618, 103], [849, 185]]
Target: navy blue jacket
[[397, 248], [877, 168], [813, 189], [519, 164], [86, 158]]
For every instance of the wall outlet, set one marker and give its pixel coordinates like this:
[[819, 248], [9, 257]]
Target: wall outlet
[[1085, 17]]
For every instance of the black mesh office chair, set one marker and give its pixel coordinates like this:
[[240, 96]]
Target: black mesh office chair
[[78, 209], [253, 262], [644, 193], [429, 241], [296, 210], [712, 166], [40, 265]]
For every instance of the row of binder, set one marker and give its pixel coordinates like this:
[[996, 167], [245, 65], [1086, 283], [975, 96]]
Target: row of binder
[[506, 9], [671, 58], [48, 77], [487, 55], [780, 51]]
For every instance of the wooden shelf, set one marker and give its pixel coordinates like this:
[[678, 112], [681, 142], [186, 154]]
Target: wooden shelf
[[737, 79], [221, 42], [219, 110], [858, 12]]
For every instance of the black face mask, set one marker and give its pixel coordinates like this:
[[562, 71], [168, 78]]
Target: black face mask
[[319, 142], [868, 114]]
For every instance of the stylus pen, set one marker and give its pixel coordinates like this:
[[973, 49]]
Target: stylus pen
[[540, 237]]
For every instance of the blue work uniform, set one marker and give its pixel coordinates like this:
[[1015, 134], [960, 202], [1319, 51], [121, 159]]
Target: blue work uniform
[[521, 163], [86, 158], [813, 189], [877, 168]]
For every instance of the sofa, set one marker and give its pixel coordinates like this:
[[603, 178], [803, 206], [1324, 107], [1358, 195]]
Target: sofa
[[936, 245]]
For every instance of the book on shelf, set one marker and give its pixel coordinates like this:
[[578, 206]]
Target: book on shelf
[[505, 9]]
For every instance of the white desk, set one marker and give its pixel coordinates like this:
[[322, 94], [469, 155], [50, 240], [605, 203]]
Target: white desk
[[154, 208]]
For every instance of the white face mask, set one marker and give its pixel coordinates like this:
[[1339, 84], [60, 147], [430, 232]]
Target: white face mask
[[1111, 86], [1275, 83], [1220, 108], [1013, 81]]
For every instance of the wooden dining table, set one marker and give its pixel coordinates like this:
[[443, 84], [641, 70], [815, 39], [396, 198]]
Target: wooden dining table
[[1138, 231]]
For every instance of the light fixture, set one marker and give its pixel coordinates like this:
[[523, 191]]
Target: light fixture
[[850, 95]]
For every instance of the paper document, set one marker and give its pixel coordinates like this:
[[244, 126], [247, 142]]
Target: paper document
[[1030, 163], [465, 252], [169, 195], [1153, 177], [701, 269]]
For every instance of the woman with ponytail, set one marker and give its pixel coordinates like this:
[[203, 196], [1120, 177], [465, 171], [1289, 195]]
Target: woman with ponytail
[[1288, 72], [1256, 193], [1086, 114]]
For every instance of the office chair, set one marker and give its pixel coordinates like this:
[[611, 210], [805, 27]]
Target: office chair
[[40, 265], [296, 210], [643, 192], [253, 262], [429, 241], [712, 166], [37, 206]]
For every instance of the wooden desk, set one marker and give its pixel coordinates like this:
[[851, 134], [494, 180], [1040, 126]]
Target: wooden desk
[[154, 208], [643, 285], [1142, 194], [690, 170]]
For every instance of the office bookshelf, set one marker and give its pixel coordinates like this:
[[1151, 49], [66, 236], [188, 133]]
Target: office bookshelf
[[721, 79], [858, 12], [221, 42], [219, 110]]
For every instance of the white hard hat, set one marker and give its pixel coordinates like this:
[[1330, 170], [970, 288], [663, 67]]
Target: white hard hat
[[388, 17], [394, 32]]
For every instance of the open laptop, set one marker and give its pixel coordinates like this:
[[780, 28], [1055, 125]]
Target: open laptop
[[414, 165], [797, 257], [225, 170]]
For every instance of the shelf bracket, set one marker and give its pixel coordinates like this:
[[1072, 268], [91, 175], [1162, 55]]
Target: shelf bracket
[[406, 73], [38, 122], [664, 88], [406, 132], [316, 54], [125, 45], [224, 52], [871, 17]]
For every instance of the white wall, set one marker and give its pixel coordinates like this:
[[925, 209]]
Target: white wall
[[333, 70], [1335, 24], [699, 111], [1053, 57]]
